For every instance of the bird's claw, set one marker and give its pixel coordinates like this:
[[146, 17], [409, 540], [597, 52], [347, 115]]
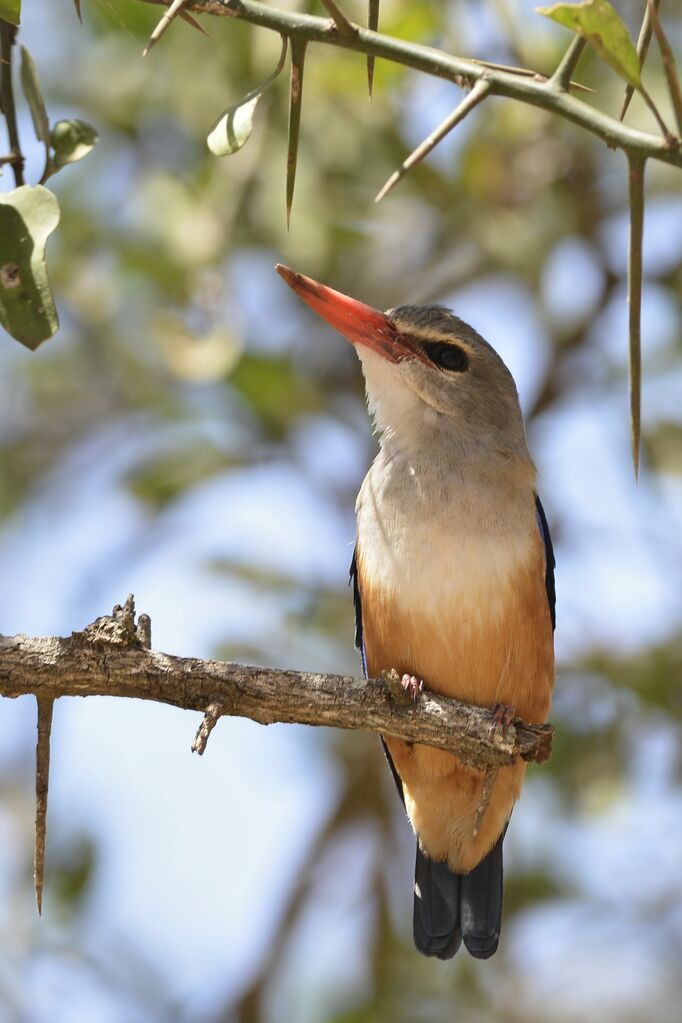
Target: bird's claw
[[503, 716], [412, 685]]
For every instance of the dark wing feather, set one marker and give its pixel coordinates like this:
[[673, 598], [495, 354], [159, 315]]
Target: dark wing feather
[[360, 645], [550, 562]]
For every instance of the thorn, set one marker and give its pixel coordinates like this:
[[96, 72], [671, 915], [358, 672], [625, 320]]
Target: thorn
[[343, 25], [298, 50], [478, 93], [211, 715], [45, 707], [636, 198], [186, 16], [163, 24], [372, 25]]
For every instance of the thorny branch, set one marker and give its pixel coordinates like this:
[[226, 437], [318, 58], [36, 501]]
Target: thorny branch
[[533, 89], [111, 657]]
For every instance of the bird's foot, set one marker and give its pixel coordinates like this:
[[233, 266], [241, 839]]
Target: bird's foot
[[413, 686], [503, 715]]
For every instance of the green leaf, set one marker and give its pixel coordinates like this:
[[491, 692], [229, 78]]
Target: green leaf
[[10, 10], [233, 128], [602, 26], [34, 97], [71, 141], [28, 216]]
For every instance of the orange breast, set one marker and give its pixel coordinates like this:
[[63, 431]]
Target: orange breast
[[505, 656]]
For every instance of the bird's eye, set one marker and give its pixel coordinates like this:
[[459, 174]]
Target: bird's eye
[[447, 356]]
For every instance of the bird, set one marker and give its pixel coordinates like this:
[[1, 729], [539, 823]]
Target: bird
[[453, 583]]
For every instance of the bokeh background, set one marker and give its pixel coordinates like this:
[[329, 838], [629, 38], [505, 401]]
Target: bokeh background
[[194, 436]]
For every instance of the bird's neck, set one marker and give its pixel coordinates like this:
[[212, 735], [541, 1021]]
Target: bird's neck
[[479, 480], [438, 451]]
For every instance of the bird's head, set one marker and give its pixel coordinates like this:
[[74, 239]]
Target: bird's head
[[432, 380]]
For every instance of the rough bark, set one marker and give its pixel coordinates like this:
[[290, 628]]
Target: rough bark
[[111, 657]]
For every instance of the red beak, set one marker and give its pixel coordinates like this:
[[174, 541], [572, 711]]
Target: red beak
[[358, 322]]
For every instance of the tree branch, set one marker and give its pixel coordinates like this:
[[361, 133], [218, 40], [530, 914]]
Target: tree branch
[[536, 91], [109, 658], [8, 35]]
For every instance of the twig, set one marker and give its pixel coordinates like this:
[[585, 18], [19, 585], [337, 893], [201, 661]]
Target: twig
[[144, 631], [108, 659], [642, 50], [561, 79], [8, 34], [669, 65], [210, 720], [45, 707], [480, 90], [636, 192]]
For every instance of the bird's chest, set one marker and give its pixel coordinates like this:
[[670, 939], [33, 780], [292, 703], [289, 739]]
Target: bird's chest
[[452, 582]]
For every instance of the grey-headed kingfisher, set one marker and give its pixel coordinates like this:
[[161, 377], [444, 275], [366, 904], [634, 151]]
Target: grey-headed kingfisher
[[453, 577]]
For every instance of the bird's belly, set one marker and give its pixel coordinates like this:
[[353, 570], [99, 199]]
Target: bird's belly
[[470, 618]]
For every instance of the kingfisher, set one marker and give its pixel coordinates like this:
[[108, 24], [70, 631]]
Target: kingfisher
[[453, 580]]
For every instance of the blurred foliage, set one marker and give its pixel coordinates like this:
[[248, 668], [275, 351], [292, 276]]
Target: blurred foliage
[[178, 336]]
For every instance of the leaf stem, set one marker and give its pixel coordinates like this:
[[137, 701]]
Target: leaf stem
[[8, 34]]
